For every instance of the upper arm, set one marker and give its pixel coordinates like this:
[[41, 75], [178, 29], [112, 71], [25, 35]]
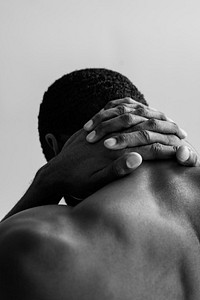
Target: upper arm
[[18, 242], [31, 251]]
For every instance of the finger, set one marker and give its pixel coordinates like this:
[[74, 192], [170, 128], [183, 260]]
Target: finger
[[145, 111], [122, 166], [141, 109], [104, 115], [125, 164], [139, 138], [116, 102], [149, 113], [155, 151], [186, 157], [117, 124], [161, 127], [121, 109]]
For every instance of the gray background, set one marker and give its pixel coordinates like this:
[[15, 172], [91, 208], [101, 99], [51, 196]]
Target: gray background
[[155, 43]]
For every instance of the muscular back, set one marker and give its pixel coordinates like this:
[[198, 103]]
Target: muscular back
[[137, 238]]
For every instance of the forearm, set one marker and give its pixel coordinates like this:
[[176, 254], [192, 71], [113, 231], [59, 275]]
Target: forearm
[[44, 190]]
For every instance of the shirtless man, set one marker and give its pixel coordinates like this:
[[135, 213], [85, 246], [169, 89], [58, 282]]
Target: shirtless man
[[136, 238]]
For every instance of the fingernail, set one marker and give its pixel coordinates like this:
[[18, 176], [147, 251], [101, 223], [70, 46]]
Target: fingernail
[[91, 136], [170, 120], [88, 125], [184, 132], [133, 161], [110, 142], [184, 154]]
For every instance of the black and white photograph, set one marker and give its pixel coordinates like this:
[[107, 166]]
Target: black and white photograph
[[100, 150]]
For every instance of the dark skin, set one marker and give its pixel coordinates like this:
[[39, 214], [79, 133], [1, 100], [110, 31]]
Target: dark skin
[[80, 167], [44, 232]]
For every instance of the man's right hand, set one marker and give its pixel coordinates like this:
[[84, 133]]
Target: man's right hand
[[82, 168], [85, 167]]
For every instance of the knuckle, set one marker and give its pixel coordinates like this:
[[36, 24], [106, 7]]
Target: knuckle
[[121, 109], [110, 104], [156, 148], [121, 138], [128, 99], [152, 123], [98, 118], [140, 105], [127, 119], [102, 129], [119, 170], [175, 148], [140, 110], [145, 136]]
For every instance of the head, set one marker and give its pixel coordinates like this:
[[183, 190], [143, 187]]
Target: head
[[73, 99]]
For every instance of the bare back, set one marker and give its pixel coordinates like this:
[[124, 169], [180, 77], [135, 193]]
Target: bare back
[[137, 238], [150, 231]]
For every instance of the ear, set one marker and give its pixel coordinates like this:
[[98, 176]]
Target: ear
[[52, 142]]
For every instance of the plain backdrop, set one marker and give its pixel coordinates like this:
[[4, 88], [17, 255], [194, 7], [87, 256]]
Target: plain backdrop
[[155, 43]]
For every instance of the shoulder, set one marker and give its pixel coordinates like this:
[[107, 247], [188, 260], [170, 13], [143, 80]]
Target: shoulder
[[30, 244], [32, 223]]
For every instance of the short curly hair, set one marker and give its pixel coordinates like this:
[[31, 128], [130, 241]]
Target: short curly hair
[[74, 98]]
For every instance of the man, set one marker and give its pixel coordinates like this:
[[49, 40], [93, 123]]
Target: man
[[135, 239], [67, 105]]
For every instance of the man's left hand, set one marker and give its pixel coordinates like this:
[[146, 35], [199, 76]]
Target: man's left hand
[[146, 130]]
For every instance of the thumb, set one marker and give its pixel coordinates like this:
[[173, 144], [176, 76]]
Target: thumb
[[186, 157], [126, 164], [119, 168]]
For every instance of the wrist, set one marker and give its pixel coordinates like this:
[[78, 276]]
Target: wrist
[[48, 182]]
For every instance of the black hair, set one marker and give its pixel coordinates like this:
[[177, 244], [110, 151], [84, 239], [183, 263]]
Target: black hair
[[74, 98]]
